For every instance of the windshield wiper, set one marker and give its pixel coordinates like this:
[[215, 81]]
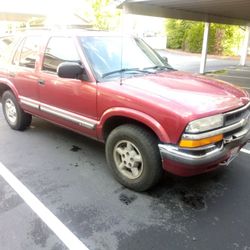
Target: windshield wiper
[[127, 70], [160, 67]]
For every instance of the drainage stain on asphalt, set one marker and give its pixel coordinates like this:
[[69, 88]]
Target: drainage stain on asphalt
[[193, 200], [76, 165], [127, 199], [39, 233], [179, 195], [75, 148], [8, 199]]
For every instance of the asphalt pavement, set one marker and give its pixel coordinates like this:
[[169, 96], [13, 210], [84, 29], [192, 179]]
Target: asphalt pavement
[[68, 173], [237, 75], [191, 62]]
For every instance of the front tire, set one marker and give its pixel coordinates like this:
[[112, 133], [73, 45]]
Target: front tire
[[133, 155], [14, 115]]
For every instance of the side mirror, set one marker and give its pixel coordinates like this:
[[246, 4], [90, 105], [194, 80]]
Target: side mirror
[[70, 70], [165, 59]]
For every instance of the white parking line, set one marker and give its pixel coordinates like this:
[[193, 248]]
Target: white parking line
[[245, 151], [63, 233]]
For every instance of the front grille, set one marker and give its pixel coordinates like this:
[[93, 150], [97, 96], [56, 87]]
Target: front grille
[[236, 116]]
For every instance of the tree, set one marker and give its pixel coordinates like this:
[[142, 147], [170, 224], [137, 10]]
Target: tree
[[105, 17], [176, 30], [188, 35]]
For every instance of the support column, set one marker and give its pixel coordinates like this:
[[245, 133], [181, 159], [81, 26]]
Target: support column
[[204, 48], [243, 59]]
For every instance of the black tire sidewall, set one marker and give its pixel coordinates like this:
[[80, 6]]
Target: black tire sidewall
[[20, 114], [149, 152]]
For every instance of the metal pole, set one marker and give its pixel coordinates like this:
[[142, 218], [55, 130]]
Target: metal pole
[[204, 48], [243, 59]]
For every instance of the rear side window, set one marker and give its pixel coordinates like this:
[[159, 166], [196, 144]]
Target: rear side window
[[5, 47], [29, 52], [16, 57], [59, 49]]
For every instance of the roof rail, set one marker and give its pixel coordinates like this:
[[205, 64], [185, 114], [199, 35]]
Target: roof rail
[[50, 28]]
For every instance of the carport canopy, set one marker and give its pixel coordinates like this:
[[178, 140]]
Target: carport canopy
[[17, 16], [235, 12]]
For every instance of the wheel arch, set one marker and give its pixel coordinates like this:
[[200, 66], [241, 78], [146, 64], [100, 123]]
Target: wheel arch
[[5, 85], [119, 116]]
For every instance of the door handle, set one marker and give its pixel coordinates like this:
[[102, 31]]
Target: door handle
[[41, 81]]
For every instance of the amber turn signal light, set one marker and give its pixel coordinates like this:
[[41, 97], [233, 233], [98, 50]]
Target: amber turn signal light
[[199, 143]]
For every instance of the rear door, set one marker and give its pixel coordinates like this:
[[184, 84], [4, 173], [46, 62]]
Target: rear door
[[23, 72], [69, 102]]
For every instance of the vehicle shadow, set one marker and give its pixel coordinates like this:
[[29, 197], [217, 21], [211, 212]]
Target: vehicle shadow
[[190, 192], [57, 132]]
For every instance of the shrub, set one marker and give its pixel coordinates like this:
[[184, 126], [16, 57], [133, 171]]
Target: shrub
[[176, 30], [188, 35]]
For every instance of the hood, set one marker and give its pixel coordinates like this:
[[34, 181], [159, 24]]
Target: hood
[[194, 93]]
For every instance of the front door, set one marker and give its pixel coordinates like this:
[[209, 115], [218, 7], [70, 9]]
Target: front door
[[69, 102]]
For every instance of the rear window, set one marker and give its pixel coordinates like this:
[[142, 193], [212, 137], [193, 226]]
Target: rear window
[[5, 47], [29, 52]]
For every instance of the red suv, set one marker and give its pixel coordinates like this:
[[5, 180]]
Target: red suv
[[119, 91]]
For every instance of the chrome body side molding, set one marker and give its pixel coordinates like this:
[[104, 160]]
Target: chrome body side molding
[[75, 118]]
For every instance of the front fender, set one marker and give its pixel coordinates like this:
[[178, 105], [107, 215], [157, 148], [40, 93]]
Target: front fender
[[135, 115]]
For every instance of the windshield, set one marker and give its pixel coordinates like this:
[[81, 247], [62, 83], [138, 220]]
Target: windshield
[[112, 56]]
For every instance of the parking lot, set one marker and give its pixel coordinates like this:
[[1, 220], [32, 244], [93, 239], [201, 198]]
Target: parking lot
[[237, 75], [67, 172]]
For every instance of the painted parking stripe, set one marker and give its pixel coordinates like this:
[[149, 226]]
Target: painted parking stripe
[[245, 151], [63, 233]]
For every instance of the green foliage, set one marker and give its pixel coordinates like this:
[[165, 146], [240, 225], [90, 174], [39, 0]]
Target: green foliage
[[176, 32], [188, 35], [231, 38], [193, 38], [105, 18]]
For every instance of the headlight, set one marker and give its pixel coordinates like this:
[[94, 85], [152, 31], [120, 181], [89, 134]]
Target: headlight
[[205, 124]]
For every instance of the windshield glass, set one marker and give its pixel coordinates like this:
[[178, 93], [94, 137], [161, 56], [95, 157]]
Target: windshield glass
[[113, 56]]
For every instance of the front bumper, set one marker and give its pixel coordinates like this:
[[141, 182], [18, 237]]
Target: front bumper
[[190, 162]]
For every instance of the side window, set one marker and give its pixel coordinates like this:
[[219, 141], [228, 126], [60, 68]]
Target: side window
[[6, 44], [16, 57], [59, 49], [29, 52]]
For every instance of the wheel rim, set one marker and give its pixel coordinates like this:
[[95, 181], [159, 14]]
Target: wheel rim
[[10, 111], [128, 159]]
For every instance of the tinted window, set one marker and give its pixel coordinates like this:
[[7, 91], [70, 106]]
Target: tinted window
[[6, 46], [16, 57], [59, 49], [29, 52], [5, 42], [108, 54]]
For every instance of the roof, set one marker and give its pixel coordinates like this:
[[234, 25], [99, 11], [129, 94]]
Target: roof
[[54, 31], [217, 11]]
